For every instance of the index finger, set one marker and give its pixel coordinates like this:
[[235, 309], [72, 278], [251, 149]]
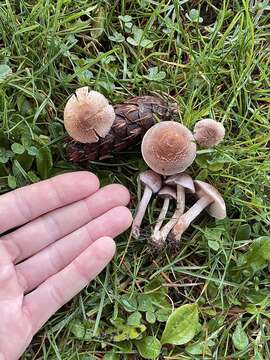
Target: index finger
[[25, 204]]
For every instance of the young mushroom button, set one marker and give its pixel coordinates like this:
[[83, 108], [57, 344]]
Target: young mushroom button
[[168, 148], [209, 199], [152, 182], [88, 116], [167, 193], [208, 133]]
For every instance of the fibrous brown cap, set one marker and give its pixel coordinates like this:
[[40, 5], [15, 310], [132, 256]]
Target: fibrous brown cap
[[217, 208], [88, 116], [209, 133], [183, 180], [168, 148]]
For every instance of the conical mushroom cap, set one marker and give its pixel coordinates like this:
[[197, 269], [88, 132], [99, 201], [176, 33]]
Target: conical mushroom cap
[[168, 148], [217, 208], [88, 116], [208, 132], [183, 180]]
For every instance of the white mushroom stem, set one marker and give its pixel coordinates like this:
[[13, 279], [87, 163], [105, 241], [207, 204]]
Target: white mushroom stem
[[161, 217], [186, 219], [180, 207], [141, 211]]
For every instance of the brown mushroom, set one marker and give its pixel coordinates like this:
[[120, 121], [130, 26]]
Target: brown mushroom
[[168, 148], [167, 193], [183, 182], [88, 116], [152, 182], [208, 132], [209, 199]]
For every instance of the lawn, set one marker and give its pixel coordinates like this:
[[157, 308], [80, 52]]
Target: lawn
[[212, 58]]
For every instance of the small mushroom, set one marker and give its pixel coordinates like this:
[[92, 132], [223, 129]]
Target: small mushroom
[[152, 182], [88, 116], [209, 133], [167, 193], [209, 199], [183, 182], [168, 148]]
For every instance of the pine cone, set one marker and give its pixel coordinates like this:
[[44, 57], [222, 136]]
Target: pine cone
[[133, 118]]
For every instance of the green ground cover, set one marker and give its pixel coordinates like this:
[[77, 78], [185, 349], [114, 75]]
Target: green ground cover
[[212, 57]]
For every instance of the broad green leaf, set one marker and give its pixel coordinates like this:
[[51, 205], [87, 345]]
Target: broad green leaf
[[145, 303], [149, 347], [214, 245], [239, 338], [116, 37], [32, 151], [5, 71], [163, 314], [5, 155], [125, 18], [200, 348], [132, 41], [17, 148], [81, 331], [259, 254], [98, 23], [243, 232], [151, 317], [148, 44], [134, 319], [159, 297], [124, 331], [181, 325], [129, 303], [155, 75]]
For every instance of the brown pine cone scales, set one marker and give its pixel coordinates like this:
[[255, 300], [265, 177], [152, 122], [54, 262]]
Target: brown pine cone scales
[[133, 118]]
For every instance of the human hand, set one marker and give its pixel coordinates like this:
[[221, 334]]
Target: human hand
[[65, 241]]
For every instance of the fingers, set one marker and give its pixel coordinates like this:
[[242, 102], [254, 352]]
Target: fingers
[[49, 261], [38, 234], [60, 288], [9, 288], [20, 206]]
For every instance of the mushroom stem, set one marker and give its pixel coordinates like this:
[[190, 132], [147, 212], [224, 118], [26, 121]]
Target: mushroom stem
[[186, 219], [161, 217], [180, 207], [141, 211]]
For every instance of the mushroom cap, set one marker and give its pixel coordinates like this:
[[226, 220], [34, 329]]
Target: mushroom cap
[[168, 148], [167, 192], [88, 115], [217, 208], [152, 180], [183, 180], [208, 132]]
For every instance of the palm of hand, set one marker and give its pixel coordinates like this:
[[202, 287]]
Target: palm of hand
[[16, 327], [65, 241]]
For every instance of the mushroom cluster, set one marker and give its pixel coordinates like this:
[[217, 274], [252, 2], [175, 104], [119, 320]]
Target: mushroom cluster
[[169, 148]]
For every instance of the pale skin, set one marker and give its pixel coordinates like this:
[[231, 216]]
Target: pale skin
[[63, 238]]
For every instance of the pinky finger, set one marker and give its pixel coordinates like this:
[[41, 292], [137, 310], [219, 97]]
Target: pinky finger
[[50, 296]]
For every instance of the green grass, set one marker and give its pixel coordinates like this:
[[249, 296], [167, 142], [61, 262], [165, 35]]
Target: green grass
[[217, 66]]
